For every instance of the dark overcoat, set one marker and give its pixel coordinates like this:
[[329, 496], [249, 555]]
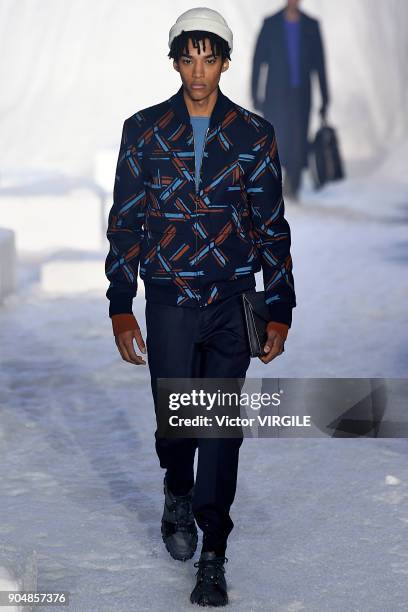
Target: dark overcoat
[[271, 49]]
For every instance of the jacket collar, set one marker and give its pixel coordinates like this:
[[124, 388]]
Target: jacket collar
[[222, 105]]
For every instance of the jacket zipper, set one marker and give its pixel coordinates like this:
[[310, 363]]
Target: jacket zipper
[[197, 185], [201, 161]]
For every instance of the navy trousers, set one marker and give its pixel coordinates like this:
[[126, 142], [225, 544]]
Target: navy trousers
[[207, 342]]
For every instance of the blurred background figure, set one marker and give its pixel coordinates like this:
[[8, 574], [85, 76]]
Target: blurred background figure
[[290, 44]]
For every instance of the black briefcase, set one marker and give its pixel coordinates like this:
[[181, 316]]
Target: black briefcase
[[325, 163], [257, 316]]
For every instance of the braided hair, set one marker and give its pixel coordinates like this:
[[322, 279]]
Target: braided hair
[[179, 45]]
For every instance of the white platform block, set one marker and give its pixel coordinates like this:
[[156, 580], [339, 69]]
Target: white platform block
[[46, 222], [18, 572], [8, 265]]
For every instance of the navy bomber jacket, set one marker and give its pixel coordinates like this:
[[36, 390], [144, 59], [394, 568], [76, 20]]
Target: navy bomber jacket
[[192, 245]]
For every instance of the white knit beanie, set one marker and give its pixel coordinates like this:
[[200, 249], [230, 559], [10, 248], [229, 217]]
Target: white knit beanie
[[201, 18]]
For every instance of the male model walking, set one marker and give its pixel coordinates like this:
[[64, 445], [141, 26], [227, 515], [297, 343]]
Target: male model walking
[[290, 45], [198, 206]]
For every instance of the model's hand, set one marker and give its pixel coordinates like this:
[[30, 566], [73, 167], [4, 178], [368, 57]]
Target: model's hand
[[124, 342], [274, 345]]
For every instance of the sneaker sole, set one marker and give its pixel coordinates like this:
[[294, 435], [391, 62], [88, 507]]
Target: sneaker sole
[[172, 553], [204, 604]]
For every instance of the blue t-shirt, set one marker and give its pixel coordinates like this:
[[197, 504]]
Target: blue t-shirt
[[292, 29], [200, 125]]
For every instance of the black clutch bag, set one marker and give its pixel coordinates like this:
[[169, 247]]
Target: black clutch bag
[[257, 316]]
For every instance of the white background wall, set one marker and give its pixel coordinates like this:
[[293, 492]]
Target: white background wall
[[73, 70]]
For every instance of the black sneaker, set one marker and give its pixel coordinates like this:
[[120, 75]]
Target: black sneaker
[[211, 587], [178, 528]]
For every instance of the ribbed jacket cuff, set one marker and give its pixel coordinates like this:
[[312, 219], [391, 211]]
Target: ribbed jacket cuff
[[281, 328], [281, 312], [122, 323], [120, 304]]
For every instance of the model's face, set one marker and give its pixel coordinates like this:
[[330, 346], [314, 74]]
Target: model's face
[[202, 68], [293, 4]]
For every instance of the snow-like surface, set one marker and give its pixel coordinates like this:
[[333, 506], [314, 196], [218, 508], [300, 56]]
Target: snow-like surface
[[319, 523]]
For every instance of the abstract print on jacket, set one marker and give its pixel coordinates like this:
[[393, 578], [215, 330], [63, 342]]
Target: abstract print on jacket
[[193, 246]]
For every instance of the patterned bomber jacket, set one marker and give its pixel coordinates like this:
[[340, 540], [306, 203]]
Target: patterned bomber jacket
[[195, 246]]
